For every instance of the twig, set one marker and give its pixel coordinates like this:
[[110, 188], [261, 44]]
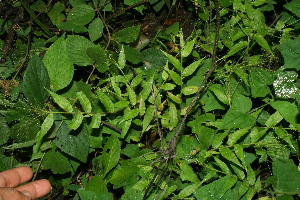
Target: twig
[[172, 143]]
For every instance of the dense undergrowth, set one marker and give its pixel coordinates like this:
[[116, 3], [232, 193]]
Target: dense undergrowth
[[94, 94]]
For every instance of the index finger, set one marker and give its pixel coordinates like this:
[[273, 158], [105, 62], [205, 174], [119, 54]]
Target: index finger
[[16, 176], [37, 188]]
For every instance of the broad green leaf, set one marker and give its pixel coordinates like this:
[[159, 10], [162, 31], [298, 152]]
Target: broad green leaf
[[132, 54], [153, 59], [187, 173], [121, 175], [260, 78], [191, 68], [293, 6], [290, 51], [36, 81], [47, 124], [284, 135], [229, 155], [174, 61], [217, 189], [62, 102], [4, 131], [187, 49], [111, 153], [219, 91], [73, 142], [108, 104], [55, 14], [234, 119], [21, 145], [59, 66], [239, 152], [56, 162], [168, 86], [240, 103], [76, 121], [234, 137], [175, 77], [188, 190], [77, 50], [96, 120], [132, 96], [90, 195], [148, 117], [130, 114], [274, 119], [236, 48], [125, 127], [128, 34], [121, 60], [257, 134], [95, 29], [218, 140], [261, 41], [224, 168], [286, 177], [189, 90], [84, 102], [81, 14], [97, 184], [173, 116], [292, 116]]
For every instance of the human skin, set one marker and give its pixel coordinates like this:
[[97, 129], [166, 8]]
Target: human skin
[[11, 179]]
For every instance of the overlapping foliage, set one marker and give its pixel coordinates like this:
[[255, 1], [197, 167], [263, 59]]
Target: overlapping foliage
[[92, 104]]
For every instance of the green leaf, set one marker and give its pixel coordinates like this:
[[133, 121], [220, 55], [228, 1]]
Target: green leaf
[[4, 131], [131, 95], [97, 184], [84, 102], [286, 177], [225, 169], [111, 153], [234, 119], [189, 90], [95, 29], [58, 64], [73, 142], [56, 162], [236, 48], [175, 77], [290, 51], [77, 50], [284, 135], [122, 60], [291, 116], [89, 195], [293, 6], [47, 124], [168, 86], [127, 35], [219, 91], [81, 14], [187, 49], [191, 68], [108, 104], [261, 41], [274, 119], [187, 173], [36, 81], [229, 155], [260, 78], [188, 190], [234, 137], [130, 114], [148, 117], [96, 120], [153, 59], [174, 61], [62, 102], [76, 121]]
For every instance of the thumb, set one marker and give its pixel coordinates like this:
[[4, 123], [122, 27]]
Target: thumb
[[12, 194]]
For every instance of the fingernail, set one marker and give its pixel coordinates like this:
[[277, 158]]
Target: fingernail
[[26, 193]]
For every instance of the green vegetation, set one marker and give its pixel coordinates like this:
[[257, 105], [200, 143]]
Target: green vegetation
[[153, 99]]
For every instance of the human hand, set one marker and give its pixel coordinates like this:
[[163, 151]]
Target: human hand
[[10, 179]]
